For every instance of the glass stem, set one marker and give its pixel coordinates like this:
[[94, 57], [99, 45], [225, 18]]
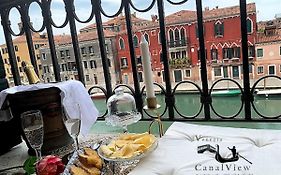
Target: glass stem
[[38, 153], [76, 143]]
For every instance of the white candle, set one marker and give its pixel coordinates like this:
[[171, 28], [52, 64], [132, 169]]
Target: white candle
[[147, 71]]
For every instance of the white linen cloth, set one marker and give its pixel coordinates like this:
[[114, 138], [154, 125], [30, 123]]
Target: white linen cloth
[[72, 93], [176, 153]]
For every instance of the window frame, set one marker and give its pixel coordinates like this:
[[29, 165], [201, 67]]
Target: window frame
[[271, 65], [258, 72], [221, 73], [185, 73], [259, 49], [218, 29], [251, 23], [121, 43], [135, 41]]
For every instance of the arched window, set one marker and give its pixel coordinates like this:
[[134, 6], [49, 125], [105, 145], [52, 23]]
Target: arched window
[[182, 33], [219, 28], [183, 37], [171, 35], [136, 41], [146, 37], [249, 25], [121, 44], [177, 34]]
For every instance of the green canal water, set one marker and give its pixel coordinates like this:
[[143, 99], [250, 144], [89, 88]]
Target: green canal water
[[188, 104]]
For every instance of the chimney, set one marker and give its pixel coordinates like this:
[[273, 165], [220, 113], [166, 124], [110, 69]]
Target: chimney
[[154, 18], [207, 8]]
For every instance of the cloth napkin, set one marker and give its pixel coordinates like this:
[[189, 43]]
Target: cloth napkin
[[73, 96]]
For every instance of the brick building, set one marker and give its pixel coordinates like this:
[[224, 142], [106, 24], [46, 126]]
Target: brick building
[[222, 41], [268, 49]]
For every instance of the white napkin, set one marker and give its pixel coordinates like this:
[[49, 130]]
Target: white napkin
[[72, 93]]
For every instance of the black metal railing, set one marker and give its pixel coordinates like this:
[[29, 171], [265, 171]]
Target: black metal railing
[[170, 108]]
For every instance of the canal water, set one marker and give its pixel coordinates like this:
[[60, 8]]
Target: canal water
[[188, 104]]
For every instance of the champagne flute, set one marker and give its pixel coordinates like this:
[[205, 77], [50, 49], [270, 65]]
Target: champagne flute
[[32, 124], [72, 125]]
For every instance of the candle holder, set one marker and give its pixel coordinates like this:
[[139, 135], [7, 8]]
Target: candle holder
[[153, 106]]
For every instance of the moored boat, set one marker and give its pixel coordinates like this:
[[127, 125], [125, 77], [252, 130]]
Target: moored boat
[[226, 93]]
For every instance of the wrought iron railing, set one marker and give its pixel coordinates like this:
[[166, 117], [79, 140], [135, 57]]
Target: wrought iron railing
[[170, 108]]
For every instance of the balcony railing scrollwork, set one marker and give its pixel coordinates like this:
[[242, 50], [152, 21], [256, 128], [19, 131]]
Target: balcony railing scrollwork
[[170, 110]]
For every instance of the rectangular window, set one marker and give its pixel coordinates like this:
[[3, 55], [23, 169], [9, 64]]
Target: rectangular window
[[67, 53], [87, 78], [83, 50], [251, 51], [5, 61], [18, 59], [183, 54], [260, 70], [259, 52], [44, 56], [236, 52], [217, 71], [92, 64], [214, 54], [85, 64], [124, 62], [91, 49], [38, 57], [46, 69], [16, 48], [20, 69], [188, 73], [280, 50], [280, 68], [140, 77], [271, 70], [64, 67], [95, 79], [62, 54]]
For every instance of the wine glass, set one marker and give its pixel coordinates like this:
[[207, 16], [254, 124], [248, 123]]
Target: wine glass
[[73, 124], [32, 125]]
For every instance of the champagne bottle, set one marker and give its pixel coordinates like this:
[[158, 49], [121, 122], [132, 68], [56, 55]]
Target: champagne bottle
[[30, 73]]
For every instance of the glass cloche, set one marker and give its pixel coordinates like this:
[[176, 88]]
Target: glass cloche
[[122, 109]]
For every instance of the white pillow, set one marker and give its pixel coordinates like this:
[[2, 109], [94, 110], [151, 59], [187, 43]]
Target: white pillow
[[176, 153]]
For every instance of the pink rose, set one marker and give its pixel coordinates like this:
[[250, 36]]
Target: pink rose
[[50, 165]]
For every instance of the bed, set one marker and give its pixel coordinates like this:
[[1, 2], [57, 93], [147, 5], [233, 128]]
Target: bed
[[177, 152]]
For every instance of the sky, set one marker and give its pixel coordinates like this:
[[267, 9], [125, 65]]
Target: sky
[[266, 10]]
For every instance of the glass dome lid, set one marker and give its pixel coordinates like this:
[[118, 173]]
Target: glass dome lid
[[122, 109]]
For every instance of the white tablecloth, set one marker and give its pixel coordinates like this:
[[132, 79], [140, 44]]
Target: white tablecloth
[[72, 93], [176, 153]]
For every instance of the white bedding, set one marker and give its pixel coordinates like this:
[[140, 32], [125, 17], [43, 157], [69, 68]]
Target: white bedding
[[176, 153]]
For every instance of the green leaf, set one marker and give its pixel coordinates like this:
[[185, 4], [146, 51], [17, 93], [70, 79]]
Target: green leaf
[[29, 165]]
